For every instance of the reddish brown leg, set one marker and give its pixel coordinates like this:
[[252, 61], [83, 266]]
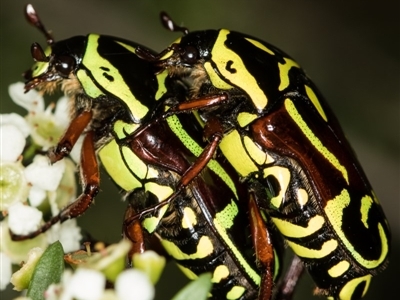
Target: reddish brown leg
[[90, 177], [186, 107], [68, 140], [185, 180], [200, 103], [263, 248], [134, 233], [289, 282]]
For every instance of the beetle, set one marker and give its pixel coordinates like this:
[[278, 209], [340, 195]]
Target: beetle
[[273, 125], [119, 102]]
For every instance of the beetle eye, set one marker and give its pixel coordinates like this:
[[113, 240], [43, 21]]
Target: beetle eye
[[64, 65], [190, 55]]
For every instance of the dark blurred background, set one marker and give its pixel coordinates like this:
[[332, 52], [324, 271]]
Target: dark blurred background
[[350, 49]]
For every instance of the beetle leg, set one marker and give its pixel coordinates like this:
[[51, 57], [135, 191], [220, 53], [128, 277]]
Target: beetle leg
[[200, 103], [134, 233], [192, 172], [289, 282], [90, 178], [68, 140], [146, 54], [263, 248]]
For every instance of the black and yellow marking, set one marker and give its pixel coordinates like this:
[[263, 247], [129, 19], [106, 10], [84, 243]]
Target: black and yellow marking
[[279, 133]]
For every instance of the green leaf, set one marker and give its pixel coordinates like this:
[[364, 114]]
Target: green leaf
[[198, 289], [48, 270]]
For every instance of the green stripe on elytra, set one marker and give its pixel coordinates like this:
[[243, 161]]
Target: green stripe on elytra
[[223, 221], [195, 148]]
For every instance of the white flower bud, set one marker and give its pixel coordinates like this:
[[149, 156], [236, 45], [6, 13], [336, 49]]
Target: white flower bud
[[43, 175], [23, 219], [86, 284], [134, 285], [12, 143]]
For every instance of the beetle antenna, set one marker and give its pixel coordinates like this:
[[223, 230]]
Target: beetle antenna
[[34, 20], [170, 25]]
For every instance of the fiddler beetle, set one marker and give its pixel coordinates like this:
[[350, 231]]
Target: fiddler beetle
[[271, 123], [193, 204]]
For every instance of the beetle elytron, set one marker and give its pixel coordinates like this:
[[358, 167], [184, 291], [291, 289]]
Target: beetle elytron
[[118, 101], [274, 127]]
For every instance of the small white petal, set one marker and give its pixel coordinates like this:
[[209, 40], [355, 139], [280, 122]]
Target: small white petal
[[32, 101], [68, 233], [23, 219], [66, 192], [16, 120], [53, 292], [75, 154], [66, 277], [134, 285], [52, 196], [36, 196], [43, 175], [62, 111], [45, 128], [87, 284], [5, 270], [12, 143], [65, 280]]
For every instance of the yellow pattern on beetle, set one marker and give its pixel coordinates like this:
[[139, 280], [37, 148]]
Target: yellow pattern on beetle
[[169, 53], [221, 272], [204, 249], [162, 192], [133, 161], [189, 219], [283, 176], [314, 100], [162, 89], [284, 72], [334, 211], [302, 197], [295, 231], [224, 220], [232, 148], [366, 203], [261, 46], [294, 114], [151, 223], [195, 148], [41, 67], [245, 118], [115, 166], [88, 85], [122, 129], [235, 293], [222, 56], [117, 86], [259, 156], [347, 291], [339, 269], [215, 79], [327, 248]]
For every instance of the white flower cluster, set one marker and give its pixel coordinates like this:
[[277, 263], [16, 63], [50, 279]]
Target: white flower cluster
[[30, 186], [131, 284]]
